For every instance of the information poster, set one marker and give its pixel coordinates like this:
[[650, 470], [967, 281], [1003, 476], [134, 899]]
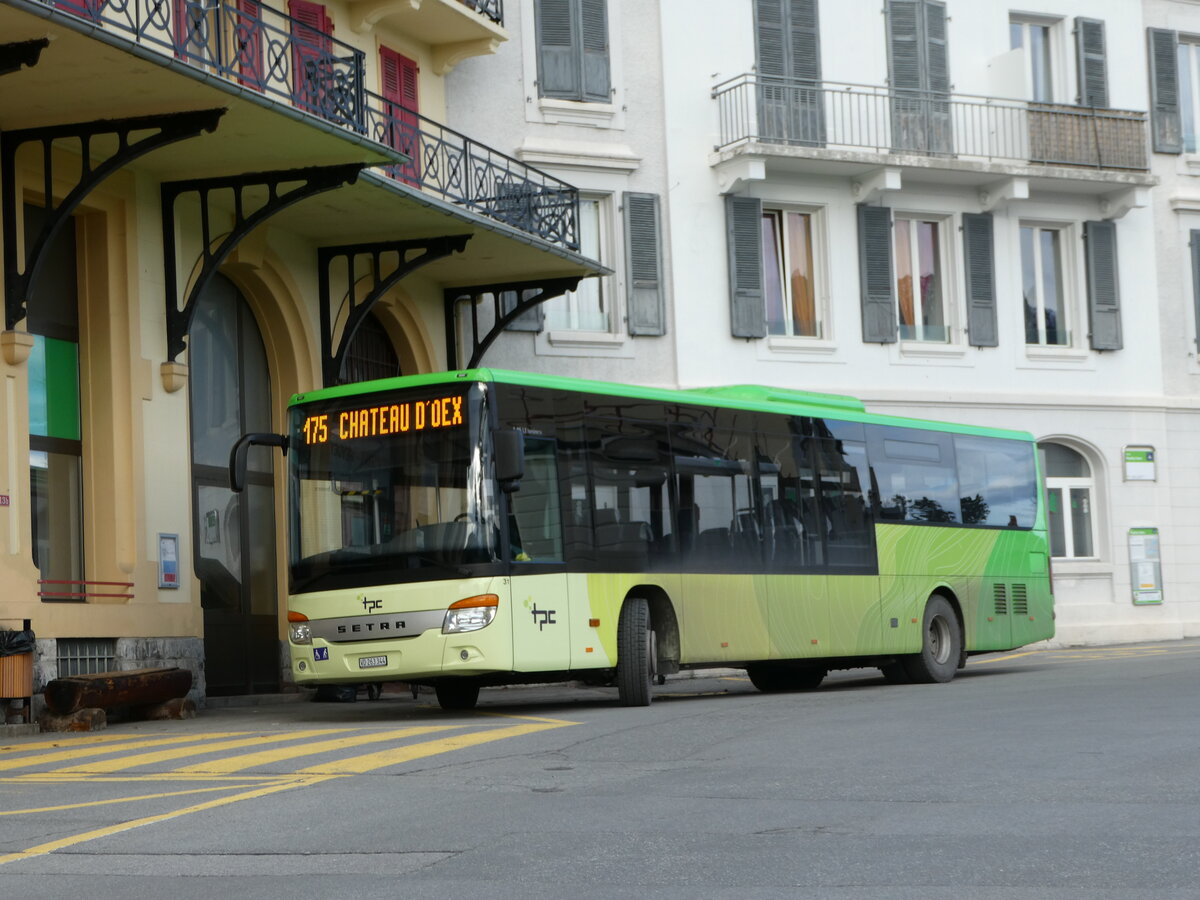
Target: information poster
[[1139, 464], [1145, 566]]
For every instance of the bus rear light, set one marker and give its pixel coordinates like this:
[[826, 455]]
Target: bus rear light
[[298, 628], [470, 614]]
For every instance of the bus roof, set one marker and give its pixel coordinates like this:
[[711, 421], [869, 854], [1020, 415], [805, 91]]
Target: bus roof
[[784, 401]]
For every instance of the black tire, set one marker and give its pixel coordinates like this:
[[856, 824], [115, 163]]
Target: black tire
[[374, 690], [772, 679], [457, 694], [636, 652], [941, 645]]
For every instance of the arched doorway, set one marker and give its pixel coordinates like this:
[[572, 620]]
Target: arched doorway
[[233, 534]]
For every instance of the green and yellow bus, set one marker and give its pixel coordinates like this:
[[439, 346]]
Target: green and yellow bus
[[485, 527]]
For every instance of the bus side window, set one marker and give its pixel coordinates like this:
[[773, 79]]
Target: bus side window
[[535, 529]]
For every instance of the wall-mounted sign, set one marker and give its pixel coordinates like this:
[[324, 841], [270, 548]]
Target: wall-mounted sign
[[1145, 566], [4, 500], [1139, 464], [168, 560]]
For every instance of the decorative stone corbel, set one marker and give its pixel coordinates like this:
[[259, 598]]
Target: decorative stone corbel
[[1116, 204], [447, 56], [1001, 192], [16, 346], [870, 186], [734, 174], [174, 376]]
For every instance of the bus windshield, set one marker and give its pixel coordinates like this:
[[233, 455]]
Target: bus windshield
[[389, 488]]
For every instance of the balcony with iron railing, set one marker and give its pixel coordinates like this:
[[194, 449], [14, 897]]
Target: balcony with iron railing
[[258, 50], [474, 176], [825, 120]]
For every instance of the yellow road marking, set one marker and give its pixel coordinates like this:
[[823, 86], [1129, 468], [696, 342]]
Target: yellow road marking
[[371, 761], [63, 742], [51, 846], [121, 763], [21, 762], [992, 659], [109, 802], [266, 757]]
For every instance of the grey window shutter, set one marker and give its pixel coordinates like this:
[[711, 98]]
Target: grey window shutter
[[790, 102], [593, 22], [875, 274], [980, 256], [743, 224], [530, 320], [558, 52], [1104, 301], [1091, 62], [1166, 123], [937, 60], [1194, 246], [904, 47], [643, 255]]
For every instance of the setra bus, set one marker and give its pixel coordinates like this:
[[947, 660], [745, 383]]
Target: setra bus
[[486, 527]]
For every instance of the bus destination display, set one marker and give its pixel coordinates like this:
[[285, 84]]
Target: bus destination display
[[377, 421]]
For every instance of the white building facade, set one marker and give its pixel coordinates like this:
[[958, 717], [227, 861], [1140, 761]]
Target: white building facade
[[950, 209]]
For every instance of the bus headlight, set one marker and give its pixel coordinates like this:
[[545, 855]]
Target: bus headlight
[[470, 614], [299, 630]]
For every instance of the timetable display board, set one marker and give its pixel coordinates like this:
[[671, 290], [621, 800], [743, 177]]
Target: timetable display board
[[1145, 566]]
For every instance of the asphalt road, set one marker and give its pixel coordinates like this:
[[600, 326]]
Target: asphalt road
[[1049, 774]]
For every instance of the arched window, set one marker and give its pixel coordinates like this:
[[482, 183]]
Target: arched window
[[370, 354], [1070, 494]]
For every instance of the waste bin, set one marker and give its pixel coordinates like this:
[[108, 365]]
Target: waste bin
[[16, 674]]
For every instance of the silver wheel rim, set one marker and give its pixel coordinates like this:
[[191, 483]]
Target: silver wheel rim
[[939, 639]]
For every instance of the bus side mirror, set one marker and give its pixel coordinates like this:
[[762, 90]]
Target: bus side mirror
[[509, 445], [237, 456]]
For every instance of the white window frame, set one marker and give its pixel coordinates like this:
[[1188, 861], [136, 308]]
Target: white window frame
[[1064, 485], [1057, 69], [1070, 301], [598, 287], [820, 280], [1189, 90], [947, 280]]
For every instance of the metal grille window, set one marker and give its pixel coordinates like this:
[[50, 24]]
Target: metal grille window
[[86, 656]]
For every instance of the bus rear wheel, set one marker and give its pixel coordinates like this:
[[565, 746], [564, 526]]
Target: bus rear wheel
[[941, 645], [771, 679], [457, 694], [636, 653]]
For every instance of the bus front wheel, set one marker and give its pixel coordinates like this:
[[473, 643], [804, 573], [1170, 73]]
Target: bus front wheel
[[941, 645], [636, 653], [457, 694]]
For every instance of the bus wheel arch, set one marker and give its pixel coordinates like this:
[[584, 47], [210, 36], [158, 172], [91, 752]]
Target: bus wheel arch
[[941, 641]]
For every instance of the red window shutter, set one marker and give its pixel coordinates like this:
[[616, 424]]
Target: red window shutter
[[248, 36], [398, 78], [311, 55]]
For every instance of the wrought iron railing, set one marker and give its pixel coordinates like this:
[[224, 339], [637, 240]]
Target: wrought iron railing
[[851, 116], [493, 9], [248, 43], [475, 176]]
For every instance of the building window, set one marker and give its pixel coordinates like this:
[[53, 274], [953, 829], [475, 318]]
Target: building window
[[1189, 96], [1034, 38], [920, 280], [55, 404], [789, 278], [1069, 499], [573, 51], [587, 307], [1043, 286]]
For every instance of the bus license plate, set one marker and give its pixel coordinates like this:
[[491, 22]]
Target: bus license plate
[[371, 662]]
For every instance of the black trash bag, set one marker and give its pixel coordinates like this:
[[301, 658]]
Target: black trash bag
[[14, 643]]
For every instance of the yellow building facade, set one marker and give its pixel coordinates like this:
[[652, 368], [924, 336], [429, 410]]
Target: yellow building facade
[[207, 209]]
